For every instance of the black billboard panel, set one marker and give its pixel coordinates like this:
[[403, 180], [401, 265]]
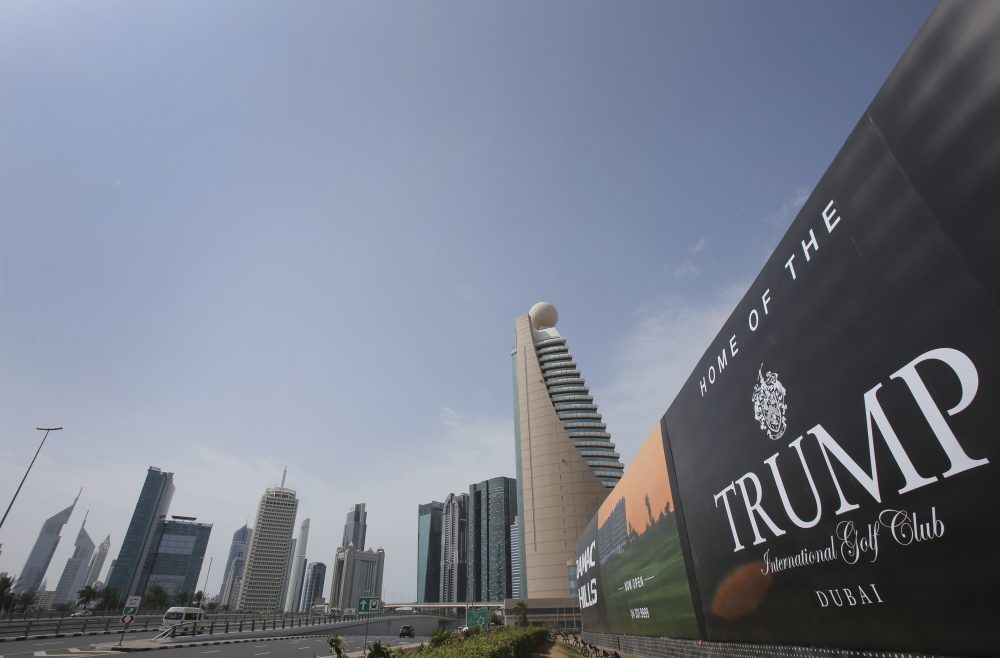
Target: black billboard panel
[[834, 455]]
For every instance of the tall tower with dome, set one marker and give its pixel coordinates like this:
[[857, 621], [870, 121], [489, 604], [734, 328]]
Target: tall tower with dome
[[566, 462]]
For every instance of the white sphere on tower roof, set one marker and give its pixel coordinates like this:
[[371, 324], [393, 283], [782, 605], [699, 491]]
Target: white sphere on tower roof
[[543, 315]]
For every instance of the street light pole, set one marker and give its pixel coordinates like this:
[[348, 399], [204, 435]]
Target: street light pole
[[41, 429]]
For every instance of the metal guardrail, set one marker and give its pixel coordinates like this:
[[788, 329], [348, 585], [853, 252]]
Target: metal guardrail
[[219, 623], [221, 627], [59, 625]]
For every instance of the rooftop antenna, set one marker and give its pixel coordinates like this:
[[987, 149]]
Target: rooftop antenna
[[284, 472]]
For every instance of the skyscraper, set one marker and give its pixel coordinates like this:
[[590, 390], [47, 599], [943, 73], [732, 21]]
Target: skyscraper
[[268, 555], [153, 504], [298, 570], [41, 553], [492, 510], [454, 548], [515, 560], [233, 575], [566, 462], [286, 574], [429, 518], [355, 527], [356, 573], [312, 589], [97, 563], [75, 571], [177, 554]]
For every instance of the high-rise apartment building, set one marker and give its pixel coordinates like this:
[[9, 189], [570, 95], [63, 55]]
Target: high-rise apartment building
[[297, 573], [75, 571], [429, 519], [268, 555], [312, 588], [152, 506], [97, 562], [355, 527], [492, 510], [41, 553], [454, 548], [178, 552], [233, 575], [356, 573], [566, 462]]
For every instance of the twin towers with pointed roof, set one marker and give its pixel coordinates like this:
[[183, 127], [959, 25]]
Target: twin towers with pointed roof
[[82, 569]]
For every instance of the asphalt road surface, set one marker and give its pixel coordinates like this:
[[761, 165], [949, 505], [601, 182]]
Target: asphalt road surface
[[82, 647]]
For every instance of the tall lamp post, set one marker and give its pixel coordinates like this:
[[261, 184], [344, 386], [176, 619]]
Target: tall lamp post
[[40, 429]]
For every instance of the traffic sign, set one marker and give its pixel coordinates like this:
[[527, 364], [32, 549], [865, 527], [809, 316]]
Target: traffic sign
[[132, 605], [478, 618], [369, 604], [127, 619]]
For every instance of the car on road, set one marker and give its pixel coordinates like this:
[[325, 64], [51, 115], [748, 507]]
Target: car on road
[[82, 613], [406, 631]]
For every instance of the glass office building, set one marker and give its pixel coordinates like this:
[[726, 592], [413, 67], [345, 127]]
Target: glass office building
[[154, 501], [492, 510], [175, 562], [429, 519]]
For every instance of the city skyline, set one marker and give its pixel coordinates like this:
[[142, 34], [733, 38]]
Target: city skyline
[[653, 159]]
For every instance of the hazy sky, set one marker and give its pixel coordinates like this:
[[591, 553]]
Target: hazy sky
[[240, 235]]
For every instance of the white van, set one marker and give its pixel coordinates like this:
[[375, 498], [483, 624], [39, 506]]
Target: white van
[[175, 616]]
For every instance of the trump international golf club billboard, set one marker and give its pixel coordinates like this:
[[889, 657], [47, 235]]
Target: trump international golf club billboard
[[829, 471]]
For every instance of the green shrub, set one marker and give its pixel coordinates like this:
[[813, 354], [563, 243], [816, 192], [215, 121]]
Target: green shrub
[[507, 642], [440, 638]]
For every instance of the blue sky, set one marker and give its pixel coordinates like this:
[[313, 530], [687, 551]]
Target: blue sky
[[239, 235]]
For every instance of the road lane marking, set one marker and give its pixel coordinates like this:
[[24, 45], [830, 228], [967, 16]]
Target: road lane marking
[[213, 651], [42, 644], [262, 654]]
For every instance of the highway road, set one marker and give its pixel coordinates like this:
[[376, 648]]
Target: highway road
[[82, 647]]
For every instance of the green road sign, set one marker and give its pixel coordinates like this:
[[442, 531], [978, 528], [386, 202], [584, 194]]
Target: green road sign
[[478, 618], [369, 604], [132, 605]]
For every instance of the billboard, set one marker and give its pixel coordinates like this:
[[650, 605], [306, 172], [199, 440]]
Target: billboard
[[833, 458], [633, 546]]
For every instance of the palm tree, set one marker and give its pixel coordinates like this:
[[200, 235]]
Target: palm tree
[[86, 596], [108, 599], [521, 610], [26, 600], [6, 596]]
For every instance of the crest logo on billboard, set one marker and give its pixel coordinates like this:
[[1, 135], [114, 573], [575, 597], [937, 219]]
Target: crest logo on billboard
[[769, 404]]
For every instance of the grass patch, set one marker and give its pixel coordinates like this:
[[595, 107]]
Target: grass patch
[[657, 557]]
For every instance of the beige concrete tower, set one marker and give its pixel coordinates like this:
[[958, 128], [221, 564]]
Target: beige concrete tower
[[267, 557], [566, 462]]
